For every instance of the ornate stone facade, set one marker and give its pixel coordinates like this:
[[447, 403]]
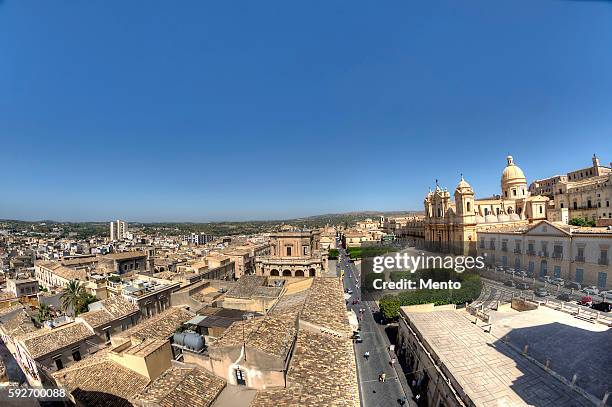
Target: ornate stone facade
[[452, 225], [295, 253]]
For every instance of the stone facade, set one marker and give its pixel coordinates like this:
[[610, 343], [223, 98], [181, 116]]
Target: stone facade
[[452, 225]]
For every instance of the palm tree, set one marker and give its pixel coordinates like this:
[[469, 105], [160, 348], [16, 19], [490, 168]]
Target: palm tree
[[44, 313], [72, 296]]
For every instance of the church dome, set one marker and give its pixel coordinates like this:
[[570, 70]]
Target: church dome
[[463, 185], [512, 173]]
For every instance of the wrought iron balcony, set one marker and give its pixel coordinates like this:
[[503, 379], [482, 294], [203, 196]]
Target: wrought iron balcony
[[603, 261], [579, 259]]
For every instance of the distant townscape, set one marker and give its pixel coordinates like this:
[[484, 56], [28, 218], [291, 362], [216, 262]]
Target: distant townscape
[[271, 313]]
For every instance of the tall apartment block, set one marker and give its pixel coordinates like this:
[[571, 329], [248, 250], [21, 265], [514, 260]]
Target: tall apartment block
[[118, 230]]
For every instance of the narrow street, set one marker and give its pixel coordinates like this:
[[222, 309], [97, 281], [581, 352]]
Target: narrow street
[[374, 340]]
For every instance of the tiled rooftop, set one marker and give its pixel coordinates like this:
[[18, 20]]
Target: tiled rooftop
[[113, 308], [125, 255], [47, 340], [325, 305], [253, 286], [322, 373], [160, 326], [18, 324], [271, 335], [99, 382], [179, 386]]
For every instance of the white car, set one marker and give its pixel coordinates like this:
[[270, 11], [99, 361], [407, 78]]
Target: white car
[[606, 294], [590, 290]]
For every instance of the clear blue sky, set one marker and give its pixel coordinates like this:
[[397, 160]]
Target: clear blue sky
[[149, 110]]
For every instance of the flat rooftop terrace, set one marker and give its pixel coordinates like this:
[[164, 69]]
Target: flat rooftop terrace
[[572, 346], [484, 369]]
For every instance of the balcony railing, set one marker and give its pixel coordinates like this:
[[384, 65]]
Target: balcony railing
[[557, 255], [531, 252], [517, 251], [543, 254], [580, 259], [603, 262]]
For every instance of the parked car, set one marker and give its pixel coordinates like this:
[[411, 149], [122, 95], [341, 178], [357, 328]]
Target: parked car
[[521, 273], [573, 284], [557, 281], [602, 306], [348, 291], [509, 283], [522, 286], [590, 290], [606, 294], [587, 301], [545, 279], [499, 268], [564, 297], [541, 292]]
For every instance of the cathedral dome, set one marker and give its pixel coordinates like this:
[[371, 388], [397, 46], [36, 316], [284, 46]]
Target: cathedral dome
[[512, 173]]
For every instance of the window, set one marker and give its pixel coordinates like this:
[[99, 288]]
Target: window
[[579, 275], [305, 250], [468, 207], [107, 335], [575, 205], [561, 205], [486, 211], [240, 379], [540, 209], [607, 204], [289, 251], [497, 210], [482, 243], [58, 362], [514, 192], [589, 205], [601, 279], [76, 355]]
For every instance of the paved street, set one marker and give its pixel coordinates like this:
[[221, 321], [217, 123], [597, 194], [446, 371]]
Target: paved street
[[373, 392]]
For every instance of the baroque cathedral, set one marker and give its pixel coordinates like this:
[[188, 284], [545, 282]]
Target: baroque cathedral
[[452, 225]]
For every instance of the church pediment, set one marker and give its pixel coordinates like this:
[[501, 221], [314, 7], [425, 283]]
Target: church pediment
[[546, 228]]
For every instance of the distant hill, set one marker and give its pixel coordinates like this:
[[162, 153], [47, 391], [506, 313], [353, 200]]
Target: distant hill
[[88, 229]]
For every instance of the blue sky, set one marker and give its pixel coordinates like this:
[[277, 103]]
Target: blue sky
[[150, 111]]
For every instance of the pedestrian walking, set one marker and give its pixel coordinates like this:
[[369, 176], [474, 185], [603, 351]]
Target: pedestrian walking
[[382, 377], [366, 355]]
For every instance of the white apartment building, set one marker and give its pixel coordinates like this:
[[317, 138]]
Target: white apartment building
[[118, 230]]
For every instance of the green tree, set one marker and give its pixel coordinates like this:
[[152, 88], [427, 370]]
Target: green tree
[[76, 298], [582, 222], [333, 254], [44, 313], [389, 306]]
